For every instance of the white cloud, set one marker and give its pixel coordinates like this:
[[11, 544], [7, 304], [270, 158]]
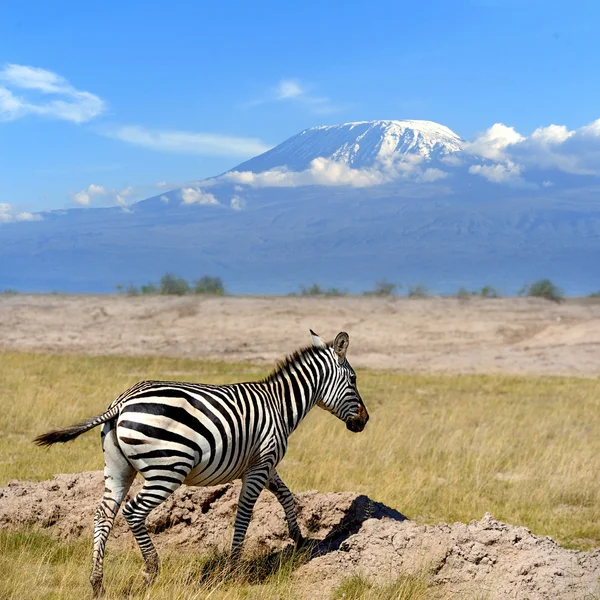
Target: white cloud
[[237, 203], [27, 216], [452, 160], [84, 197], [554, 147], [493, 142], [188, 142], [164, 199], [197, 196], [295, 91], [65, 102], [321, 172], [507, 172], [127, 191], [324, 171], [96, 190], [431, 174], [7, 214], [288, 88], [553, 134], [121, 200]]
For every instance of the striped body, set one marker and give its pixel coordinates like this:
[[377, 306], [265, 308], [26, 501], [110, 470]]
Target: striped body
[[174, 433], [214, 432]]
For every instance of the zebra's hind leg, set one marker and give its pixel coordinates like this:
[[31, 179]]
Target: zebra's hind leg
[[253, 483], [118, 476], [159, 485], [286, 499]]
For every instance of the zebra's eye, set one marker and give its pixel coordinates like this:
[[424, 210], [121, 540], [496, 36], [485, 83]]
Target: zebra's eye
[[353, 379]]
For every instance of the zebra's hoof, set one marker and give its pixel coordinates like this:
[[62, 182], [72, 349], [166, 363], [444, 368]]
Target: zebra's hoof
[[307, 546], [150, 571], [97, 588], [149, 576], [299, 540]]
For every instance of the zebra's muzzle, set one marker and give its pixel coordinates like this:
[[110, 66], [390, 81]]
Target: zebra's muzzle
[[357, 424]]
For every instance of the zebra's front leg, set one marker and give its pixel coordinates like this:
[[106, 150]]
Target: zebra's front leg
[[253, 483], [286, 499]]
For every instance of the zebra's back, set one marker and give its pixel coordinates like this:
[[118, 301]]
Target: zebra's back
[[208, 433]]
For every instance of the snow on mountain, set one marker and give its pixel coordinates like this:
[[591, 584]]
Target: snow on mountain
[[359, 145], [293, 228]]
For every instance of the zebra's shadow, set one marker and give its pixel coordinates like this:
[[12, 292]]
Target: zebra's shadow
[[361, 509], [258, 568]]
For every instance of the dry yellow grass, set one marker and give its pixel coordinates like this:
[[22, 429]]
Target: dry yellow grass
[[60, 571], [437, 448]]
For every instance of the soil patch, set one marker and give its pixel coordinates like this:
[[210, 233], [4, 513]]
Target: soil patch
[[352, 533], [431, 335]]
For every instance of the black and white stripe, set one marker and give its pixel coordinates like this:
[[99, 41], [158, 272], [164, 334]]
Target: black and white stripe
[[174, 433]]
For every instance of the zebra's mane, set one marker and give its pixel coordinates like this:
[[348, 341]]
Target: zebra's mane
[[291, 360]]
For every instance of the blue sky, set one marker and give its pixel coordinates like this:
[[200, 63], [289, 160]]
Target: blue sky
[[153, 93]]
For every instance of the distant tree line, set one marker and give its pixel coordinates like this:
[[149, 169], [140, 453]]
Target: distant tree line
[[543, 288], [172, 285]]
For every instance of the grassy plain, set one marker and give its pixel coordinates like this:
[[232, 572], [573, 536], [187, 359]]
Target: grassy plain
[[437, 448]]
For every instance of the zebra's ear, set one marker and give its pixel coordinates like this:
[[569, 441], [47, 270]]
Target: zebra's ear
[[340, 345], [317, 341]]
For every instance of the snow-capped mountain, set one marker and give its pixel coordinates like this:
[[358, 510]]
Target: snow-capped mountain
[[388, 203], [358, 145]]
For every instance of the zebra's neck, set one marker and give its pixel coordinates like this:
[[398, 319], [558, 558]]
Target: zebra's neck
[[297, 384]]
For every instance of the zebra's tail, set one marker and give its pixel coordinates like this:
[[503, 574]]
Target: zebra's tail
[[70, 433]]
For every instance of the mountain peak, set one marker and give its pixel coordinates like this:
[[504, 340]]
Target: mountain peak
[[358, 144]]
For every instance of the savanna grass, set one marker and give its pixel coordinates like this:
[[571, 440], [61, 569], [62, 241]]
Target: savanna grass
[[405, 587], [437, 448], [526, 449], [60, 571]]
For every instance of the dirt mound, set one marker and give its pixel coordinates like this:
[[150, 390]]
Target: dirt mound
[[355, 535]]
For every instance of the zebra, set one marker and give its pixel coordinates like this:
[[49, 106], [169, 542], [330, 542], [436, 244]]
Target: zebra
[[198, 434]]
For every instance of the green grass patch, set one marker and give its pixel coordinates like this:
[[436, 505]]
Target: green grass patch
[[437, 448]]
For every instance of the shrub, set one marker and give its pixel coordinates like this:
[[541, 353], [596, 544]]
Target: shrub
[[209, 285], [383, 287], [418, 291], [313, 290], [543, 288], [316, 290], [149, 288], [489, 291], [132, 290], [463, 293], [170, 285], [336, 292]]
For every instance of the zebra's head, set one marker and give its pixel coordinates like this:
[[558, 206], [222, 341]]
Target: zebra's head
[[340, 395]]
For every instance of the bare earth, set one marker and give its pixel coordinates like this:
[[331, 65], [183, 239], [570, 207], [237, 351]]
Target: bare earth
[[484, 559], [510, 335]]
